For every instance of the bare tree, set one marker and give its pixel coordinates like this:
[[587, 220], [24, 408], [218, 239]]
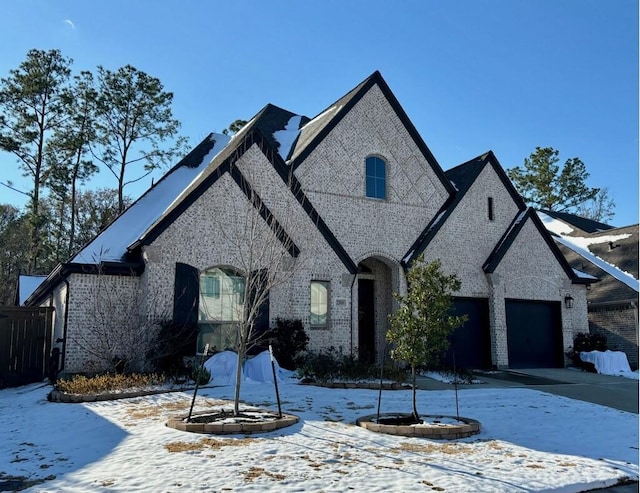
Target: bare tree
[[118, 334], [265, 252], [600, 208]]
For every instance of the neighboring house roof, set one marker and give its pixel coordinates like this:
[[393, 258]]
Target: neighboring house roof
[[461, 177], [581, 223], [26, 286], [508, 238], [611, 255]]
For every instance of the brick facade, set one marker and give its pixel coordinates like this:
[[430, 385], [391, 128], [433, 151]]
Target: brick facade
[[618, 322], [373, 233]]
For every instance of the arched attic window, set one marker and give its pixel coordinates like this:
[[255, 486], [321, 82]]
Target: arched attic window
[[376, 177], [220, 308]]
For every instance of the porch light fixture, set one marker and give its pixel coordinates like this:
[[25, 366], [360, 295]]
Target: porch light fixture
[[568, 301]]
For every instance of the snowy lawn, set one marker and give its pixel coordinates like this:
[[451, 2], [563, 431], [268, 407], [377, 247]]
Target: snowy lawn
[[530, 441]]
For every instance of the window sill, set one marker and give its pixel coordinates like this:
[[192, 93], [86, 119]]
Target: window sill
[[319, 327]]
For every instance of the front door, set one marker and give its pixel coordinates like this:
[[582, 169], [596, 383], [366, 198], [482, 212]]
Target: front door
[[366, 321]]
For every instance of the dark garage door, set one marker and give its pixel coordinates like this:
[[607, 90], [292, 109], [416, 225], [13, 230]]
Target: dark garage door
[[471, 342], [534, 334]]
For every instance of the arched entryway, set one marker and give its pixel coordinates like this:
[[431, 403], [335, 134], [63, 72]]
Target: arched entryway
[[378, 278]]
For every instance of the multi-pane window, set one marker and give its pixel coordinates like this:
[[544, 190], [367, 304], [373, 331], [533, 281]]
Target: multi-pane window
[[220, 308], [319, 313], [376, 177]]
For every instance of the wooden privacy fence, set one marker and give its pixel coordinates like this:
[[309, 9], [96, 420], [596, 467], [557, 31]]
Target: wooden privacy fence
[[25, 344]]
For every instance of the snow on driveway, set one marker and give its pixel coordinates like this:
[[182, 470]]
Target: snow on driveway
[[530, 441]]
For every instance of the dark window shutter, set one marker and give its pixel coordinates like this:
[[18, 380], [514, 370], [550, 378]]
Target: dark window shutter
[[262, 319], [185, 295]]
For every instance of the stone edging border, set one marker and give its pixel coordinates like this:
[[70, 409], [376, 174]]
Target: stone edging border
[[361, 385], [57, 396], [450, 432], [178, 423]]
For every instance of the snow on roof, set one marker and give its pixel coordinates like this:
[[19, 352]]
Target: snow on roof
[[27, 285], [112, 243], [580, 246], [584, 275], [554, 225], [287, 137]]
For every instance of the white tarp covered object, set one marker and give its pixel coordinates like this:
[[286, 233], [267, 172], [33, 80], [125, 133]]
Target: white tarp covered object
[[607, 362], [258, 368], [222, 367]]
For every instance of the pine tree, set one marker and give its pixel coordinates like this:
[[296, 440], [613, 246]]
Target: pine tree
[[71, 148], [544, 185], [134, 119], [32, 109]]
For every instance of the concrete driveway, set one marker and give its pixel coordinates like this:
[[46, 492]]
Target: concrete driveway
[[616, 392]]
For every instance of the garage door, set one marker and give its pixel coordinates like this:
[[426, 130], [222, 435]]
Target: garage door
[[471, 342], [534, 334]]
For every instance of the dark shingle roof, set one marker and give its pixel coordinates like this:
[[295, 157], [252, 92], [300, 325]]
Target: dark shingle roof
[[271, 119], [608, 289], [582, 223], [622, 253]]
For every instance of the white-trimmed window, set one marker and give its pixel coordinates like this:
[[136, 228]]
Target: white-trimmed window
[[220, 308], [319, 310]]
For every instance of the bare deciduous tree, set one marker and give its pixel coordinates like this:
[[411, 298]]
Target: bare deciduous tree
[[118, 334], [263, 248]]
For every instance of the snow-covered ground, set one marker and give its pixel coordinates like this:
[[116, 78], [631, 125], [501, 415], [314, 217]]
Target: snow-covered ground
[[530, 441]]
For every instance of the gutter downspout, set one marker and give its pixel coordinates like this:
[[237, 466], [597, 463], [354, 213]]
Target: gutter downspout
[[353, 282], [64, 327]]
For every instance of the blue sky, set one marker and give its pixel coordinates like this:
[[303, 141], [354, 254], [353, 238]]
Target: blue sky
[[473, 75]]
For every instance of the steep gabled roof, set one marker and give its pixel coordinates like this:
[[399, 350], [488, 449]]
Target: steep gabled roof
[[512, 233], [318, 127], [270, 119], [462, 177], [111, 244]]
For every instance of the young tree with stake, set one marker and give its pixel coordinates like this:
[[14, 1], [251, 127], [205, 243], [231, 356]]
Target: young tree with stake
[[421, 326]]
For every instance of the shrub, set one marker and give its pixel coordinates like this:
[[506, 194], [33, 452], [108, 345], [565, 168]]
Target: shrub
[[108, 382], [200, 375], [584, 342], [288, 340], [332, 364], [172, 342]]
